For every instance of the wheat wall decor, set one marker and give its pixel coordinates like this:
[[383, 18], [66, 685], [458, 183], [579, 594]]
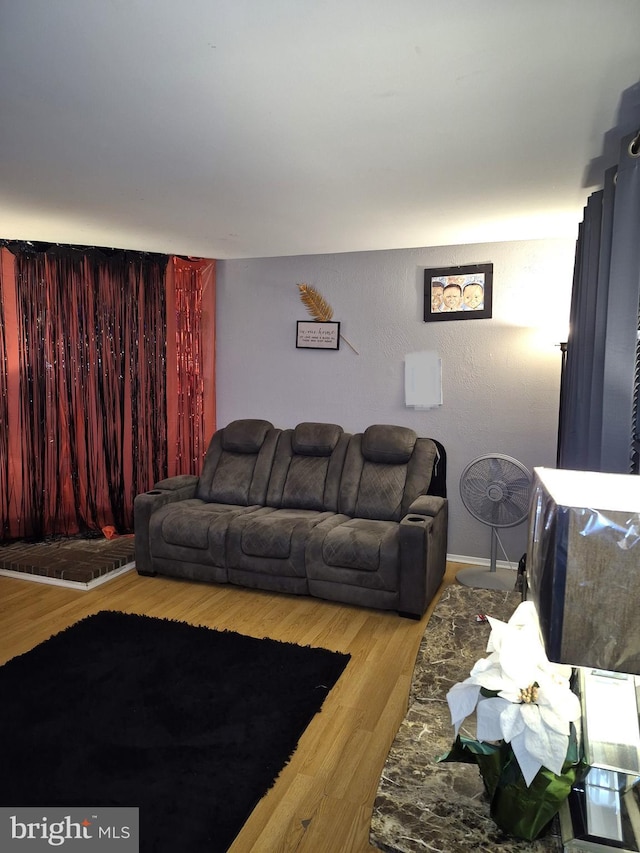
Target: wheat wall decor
[[318, 307], [315, 304]]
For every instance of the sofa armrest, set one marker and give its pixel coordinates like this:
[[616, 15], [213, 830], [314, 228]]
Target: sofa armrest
[[180, 488], [423, 553], [180, 481], [429, 505]]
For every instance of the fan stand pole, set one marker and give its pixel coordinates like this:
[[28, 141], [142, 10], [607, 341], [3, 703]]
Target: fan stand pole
[[480, 577]]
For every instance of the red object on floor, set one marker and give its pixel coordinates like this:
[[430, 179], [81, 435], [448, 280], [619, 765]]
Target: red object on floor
[[111, 533]]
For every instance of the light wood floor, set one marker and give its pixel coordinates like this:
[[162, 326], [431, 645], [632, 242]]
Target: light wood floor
[[322, 801]]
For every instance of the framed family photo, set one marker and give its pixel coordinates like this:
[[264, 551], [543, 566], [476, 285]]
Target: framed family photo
[[458, 293]]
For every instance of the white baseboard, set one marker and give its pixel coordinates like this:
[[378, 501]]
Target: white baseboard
[[480, 561], [109, 576]]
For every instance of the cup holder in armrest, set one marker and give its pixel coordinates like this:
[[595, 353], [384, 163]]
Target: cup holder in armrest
[[154, 492], [415, 518]]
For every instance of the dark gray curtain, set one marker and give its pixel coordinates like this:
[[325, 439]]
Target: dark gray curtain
[[598, 429]]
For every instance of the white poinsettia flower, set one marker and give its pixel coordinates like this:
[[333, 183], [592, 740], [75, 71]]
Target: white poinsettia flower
[[512, 721], [533, 705], [559, 706], [464, 698], [488, 673], [491, 725]]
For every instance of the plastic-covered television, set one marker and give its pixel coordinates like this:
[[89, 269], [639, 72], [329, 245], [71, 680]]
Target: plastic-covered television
[[583, 567]]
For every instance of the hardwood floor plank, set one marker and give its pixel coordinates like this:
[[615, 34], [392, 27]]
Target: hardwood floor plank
[[280, 826], [338, 826], [323, 799]]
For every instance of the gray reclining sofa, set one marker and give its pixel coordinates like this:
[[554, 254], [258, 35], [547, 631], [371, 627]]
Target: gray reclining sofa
[[360, 519]]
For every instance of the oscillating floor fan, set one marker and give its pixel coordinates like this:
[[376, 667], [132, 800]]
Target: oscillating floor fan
[[495, 489]]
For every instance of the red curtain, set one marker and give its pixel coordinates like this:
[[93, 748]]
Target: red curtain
[[102, 382], [191, 294]]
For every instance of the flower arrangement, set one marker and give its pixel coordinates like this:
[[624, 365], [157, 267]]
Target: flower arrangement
[[527, 725]]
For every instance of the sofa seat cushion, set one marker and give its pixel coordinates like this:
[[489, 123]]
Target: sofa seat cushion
[[272, 535], [359, 544], [193, 530], [361, 552], [272, 540]]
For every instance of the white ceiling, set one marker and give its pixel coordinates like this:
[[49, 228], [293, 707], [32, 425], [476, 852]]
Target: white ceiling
[[250, 128]]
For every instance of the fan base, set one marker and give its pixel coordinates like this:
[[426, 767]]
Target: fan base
[[480, 577]]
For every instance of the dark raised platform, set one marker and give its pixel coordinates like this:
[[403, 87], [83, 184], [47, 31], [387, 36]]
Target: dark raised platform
[[73, 560], [422, 805]]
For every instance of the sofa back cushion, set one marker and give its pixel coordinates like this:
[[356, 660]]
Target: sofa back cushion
[[238, 463], [386, 468], [307, 467]]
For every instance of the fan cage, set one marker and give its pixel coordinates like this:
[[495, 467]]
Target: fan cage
[[495, 490]]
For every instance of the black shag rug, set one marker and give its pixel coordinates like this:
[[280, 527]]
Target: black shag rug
[[191, 725]]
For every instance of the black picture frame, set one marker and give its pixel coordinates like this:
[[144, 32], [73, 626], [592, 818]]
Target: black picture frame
[[473, 276], [316, 334]]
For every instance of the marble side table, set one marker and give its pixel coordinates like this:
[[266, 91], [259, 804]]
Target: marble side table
[[422, 805]]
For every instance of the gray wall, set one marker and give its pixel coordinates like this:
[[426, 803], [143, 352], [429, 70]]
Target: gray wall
[[501, 376]]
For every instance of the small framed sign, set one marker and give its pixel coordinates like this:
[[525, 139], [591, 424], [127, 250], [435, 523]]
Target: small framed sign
[[317, 335], [458, 293]]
